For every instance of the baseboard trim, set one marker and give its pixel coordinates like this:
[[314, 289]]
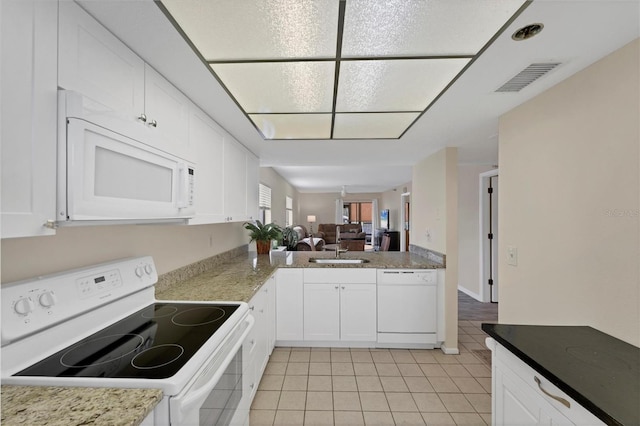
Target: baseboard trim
[[470, 293], [449, 351]]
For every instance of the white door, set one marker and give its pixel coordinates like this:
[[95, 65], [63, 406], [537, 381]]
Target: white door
[[167, 111], [207, 141], [358, 312], [29, 104], [322, 312], [94, 62], [235, 180], [289, 304]]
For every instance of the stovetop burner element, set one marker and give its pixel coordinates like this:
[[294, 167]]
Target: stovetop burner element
[[158, 356], [85, 355], [198, 316]]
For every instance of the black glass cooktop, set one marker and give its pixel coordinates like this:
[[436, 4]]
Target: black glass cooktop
[[153, 343]]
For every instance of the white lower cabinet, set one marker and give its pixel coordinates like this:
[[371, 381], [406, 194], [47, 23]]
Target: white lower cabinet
[[519, 400], [340, 305], [340, 312], [289, 305], [259, 344]]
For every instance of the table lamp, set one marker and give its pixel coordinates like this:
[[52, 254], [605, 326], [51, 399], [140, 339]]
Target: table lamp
[[311, 219]]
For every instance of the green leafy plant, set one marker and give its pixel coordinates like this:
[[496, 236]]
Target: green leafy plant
[[260, 232], [289, 238], [263, 234]]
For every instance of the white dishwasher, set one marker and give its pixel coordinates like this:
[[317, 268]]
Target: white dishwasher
[[407, 308]]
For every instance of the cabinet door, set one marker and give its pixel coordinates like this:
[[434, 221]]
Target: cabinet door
[[94, 62], [207, 141], [321, 312], [253, 190], [257, 305], [358, 312], [289, 305], [235, 180], [167, 111], [270, 291], [29, 102]]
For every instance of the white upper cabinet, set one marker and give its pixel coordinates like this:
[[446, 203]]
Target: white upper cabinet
[[167, 110], [28, 131], [235, 180], [207, 141], [94, 62], [253, 186]]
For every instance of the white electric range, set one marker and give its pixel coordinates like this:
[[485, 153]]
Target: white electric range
[[100, 326]]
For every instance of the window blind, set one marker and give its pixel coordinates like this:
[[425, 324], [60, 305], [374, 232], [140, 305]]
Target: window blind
[[265, 197]]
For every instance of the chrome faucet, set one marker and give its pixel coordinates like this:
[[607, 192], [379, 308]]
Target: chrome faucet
[[338, 249]]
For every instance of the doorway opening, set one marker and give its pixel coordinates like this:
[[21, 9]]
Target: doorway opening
[[405, 208], [489, 236]]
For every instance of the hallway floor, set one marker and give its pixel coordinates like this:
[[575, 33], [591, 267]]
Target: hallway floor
[[341, 386]]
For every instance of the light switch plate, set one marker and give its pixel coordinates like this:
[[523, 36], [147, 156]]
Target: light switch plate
[[512, 255]]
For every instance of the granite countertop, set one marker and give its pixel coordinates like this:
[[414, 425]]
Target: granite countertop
[[240, 277], [70, 406], [597, 370]]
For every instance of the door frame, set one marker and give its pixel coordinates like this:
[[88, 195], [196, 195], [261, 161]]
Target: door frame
[[484, 218], [404, 198]]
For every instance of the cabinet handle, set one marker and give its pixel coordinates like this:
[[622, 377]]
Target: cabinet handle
[[336, 287], [251, 308], [557, 398], [153, 123], [343, 287], [142, 118]]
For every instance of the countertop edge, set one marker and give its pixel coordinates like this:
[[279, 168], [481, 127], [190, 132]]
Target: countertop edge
[[561, 384]]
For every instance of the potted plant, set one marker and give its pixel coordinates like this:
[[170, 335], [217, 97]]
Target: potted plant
[[263, 234]]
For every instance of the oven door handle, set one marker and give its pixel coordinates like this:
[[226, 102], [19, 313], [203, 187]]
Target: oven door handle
[[195, 395]]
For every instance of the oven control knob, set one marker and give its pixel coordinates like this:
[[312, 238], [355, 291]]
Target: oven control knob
[[24, 306], [47, 299], [139, 271], [148, 269]]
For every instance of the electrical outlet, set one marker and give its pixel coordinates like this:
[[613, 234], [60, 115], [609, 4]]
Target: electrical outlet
[[512, 255]]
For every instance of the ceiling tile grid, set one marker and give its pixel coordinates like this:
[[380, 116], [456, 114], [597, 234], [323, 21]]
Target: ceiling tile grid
[[338, 69]]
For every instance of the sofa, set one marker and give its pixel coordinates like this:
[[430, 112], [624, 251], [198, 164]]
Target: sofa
[[351, 235], [304, 240]]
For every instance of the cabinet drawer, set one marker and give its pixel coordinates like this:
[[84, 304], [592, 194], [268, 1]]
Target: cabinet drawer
[[339, 276], [575, 412]]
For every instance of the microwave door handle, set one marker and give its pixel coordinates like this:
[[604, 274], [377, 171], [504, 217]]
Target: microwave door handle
[[183, 182]]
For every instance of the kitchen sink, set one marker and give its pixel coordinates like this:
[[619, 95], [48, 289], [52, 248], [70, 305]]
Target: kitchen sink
[[337, 261]]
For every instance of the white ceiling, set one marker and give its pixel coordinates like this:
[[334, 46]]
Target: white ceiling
[[576, 34]]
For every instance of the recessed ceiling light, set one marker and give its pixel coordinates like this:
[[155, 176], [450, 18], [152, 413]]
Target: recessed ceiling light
[[527, 32]]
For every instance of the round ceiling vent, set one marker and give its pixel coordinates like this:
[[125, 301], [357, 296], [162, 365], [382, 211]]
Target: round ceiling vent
[[527, 32]]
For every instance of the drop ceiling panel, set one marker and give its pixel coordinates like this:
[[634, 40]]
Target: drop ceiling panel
[[394, 85], [265, 29], [372, 125], [268, 87], [421, 28], [293, 126]]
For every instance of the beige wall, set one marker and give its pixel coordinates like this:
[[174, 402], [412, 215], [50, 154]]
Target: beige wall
[[569, 202], [172, 246], [280, 189], [434, 207], [469, 227]]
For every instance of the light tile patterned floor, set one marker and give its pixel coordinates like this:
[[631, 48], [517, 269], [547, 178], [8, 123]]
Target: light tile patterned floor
[[322, 386]]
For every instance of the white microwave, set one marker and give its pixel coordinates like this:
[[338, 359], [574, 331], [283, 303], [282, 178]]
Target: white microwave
[[107, 175]]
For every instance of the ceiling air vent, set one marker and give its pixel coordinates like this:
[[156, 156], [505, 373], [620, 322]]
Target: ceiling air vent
[[527, 76]]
